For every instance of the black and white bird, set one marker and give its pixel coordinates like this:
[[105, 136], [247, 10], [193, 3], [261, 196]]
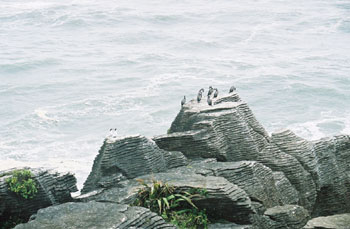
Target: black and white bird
[[232, 89], [183, 101], [210, 90], [112, 133], [199, 96], [210, 102], [201, 90], [216, 93]]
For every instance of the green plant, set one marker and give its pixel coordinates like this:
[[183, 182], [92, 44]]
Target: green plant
[[11, 222], [174, 206], [21, 183]]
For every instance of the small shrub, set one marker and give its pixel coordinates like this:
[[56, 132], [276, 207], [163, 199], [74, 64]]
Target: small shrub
[[175, 207], [22, 184]]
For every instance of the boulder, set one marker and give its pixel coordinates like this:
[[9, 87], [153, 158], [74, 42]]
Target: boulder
[[126, 158], [95, 215], [288, 216], [288, 194], [340, 221], [227, 131], [224, 200], [53, 188]]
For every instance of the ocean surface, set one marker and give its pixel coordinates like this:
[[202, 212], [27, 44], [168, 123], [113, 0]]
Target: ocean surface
[[72, 69]]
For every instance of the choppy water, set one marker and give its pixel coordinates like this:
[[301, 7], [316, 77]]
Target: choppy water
[[70, 70]]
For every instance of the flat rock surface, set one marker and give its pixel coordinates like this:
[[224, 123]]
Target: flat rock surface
[[94, 215], [341, 221]]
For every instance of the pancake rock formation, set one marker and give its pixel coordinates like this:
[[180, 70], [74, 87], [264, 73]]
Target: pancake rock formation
[[53, 188], [253, 179]]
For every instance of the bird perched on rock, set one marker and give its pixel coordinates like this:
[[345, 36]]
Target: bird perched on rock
[[201, 90], [216, 92], [183, 101], [210, 90], [232, 89], [210, 102], [112, 133], [199, 96]]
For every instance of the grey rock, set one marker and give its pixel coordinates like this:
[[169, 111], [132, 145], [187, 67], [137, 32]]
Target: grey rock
[[227, 131], [126, 158], [301, 179], [95, 215], [288, 194], [229, 226], [254, 178], [53, 188], [224, 200], [341, 221], [333, 159], [288, 216]]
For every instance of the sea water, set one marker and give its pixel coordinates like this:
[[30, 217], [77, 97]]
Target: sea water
[[72, 69]]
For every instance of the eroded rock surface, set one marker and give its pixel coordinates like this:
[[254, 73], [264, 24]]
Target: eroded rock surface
[[53, 188], [227, 131], [341, 221], [126, 158], [95, 215], [224, 200]]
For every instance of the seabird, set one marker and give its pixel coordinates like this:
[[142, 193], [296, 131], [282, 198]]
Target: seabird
[[201, 90], [210, 90], [216, 92], [210, 103], [183, 101], [199, 96], [232, 89]]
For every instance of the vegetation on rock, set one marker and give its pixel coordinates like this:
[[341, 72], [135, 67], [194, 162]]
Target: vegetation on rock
[[22, 184], [174, 206]]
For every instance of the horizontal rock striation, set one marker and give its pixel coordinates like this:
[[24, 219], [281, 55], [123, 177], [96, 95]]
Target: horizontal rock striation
[[224, 200], [126, 158], [227, 131], [340, 221], [53, 188], [95, 215]]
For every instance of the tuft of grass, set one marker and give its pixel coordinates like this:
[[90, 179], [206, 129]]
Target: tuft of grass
[[175, 207], [22, 184]]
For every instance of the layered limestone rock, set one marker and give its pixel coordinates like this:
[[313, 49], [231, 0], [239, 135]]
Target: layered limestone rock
[[95, 215], [254, 178], [227, 131], [126, 158], [341, 221], [288, 216], [53, 188], [224, 200]]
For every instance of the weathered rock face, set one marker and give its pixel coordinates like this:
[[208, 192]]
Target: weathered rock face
[[224, 200], [315, 175], [288, 216], [227, 131], [341, 221], [53, 188], [126, 158], [95, 215]]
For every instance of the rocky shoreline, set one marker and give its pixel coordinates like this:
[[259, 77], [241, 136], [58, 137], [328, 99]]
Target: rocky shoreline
[[253, 179]]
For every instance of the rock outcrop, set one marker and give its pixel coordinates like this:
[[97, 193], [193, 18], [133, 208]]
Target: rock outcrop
[[227, 131], [53, 188], [341, 221], [95, 215], [126, 158], [224, 200], [253, 179]]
